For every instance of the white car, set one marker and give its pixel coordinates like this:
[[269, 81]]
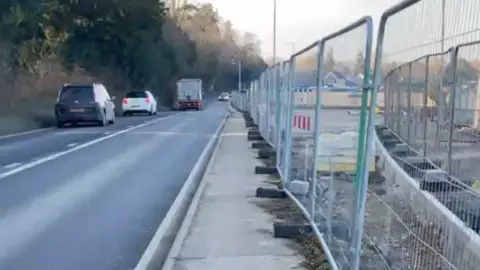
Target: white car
[[139, 102]]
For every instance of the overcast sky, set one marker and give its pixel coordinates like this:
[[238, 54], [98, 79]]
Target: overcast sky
[[299, 22]]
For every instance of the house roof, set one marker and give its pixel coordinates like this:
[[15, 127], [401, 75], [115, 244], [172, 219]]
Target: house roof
[[350, 81]]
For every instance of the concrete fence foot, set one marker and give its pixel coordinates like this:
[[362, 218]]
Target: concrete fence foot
[[272, 193], [264, 154], [265, 170], [285, 229], [253, 131], [260, 145], [249, 124], [255, 138]]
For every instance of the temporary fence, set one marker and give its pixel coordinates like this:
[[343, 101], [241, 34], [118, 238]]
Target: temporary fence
[[427, 147], [391, 191]]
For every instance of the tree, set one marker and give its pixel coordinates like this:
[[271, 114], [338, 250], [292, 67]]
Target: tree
[[359, 63], [437, 85], [329, 64], [125, 44]]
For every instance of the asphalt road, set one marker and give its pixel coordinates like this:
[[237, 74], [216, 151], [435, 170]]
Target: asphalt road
[[64, 205]]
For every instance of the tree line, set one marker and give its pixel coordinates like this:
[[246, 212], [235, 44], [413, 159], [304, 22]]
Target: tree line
[[122, 43]]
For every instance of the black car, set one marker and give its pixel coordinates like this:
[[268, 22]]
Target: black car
[[89, 103]]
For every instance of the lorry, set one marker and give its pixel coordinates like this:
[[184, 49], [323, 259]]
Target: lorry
[[189, 94]]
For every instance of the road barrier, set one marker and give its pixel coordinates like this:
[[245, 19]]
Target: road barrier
[[391, 191]]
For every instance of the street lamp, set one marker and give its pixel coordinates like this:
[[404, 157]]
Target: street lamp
[[274, 32], [239, 64], [292, 45]]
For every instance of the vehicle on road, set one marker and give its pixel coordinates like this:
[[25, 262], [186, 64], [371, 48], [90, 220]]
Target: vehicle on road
[[189, 94], [84, 103], [141, 101], [224, 97]]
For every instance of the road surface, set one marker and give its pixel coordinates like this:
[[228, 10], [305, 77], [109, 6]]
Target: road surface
[[64, 205]]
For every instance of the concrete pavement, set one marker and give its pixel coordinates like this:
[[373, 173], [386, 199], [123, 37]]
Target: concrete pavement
[[224, 229], [97, 206]]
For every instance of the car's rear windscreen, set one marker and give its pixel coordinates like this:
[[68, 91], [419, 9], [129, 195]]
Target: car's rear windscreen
[[77, 93], [136, 94]]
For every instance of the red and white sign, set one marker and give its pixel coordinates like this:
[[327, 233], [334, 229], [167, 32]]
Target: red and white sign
[[302, 122]]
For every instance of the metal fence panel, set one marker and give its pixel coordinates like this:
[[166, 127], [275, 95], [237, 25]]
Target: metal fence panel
[[340, 135], [426, 199], [282, 114]]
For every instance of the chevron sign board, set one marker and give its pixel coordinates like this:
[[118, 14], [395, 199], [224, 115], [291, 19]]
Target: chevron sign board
[[303, 121]]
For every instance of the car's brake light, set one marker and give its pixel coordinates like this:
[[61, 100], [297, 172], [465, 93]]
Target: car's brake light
[[125, 101], [147, 100]]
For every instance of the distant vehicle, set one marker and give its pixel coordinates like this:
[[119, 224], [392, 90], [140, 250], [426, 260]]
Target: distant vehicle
[[224, 97], [84, 103], [189, 94], [139, 102]]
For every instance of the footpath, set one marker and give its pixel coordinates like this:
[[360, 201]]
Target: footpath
[[224, 228]]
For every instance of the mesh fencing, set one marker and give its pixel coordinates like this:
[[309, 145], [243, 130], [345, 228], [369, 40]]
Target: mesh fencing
[[384, 168], [432, 210]]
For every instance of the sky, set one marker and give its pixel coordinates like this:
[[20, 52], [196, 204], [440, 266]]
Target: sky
[[299, 22]]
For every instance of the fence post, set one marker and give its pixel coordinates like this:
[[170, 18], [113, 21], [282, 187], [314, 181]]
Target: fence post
[[364, 153], [316, 136], [425, 103], [409, 103], [453, 85], [290, 110]]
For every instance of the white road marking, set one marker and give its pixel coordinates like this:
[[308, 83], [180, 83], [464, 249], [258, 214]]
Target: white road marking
[[21, 225], [23, 133], [71, 145], [106, 133], [167, 133], [11, 166], [76, 148], [234, 134]]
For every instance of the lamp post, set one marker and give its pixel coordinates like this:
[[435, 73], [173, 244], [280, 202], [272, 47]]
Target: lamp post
[[292, 46], [274, 32], [239, 65]]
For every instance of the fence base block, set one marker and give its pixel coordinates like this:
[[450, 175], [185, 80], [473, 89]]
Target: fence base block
[[255, 138], [285, 229], [265, 170], [272, 193], [265, 153], [260, 145], [299, 187], [249, 124], [253, 131]]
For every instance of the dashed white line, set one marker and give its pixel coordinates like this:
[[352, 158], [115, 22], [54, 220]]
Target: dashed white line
[[11, 166], [71, 145], [23, 133], [37, 162]]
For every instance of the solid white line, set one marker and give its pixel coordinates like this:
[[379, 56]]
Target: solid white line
[[189, 216], [11, 166], [23, 133], [162, 230], [76, 148]]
